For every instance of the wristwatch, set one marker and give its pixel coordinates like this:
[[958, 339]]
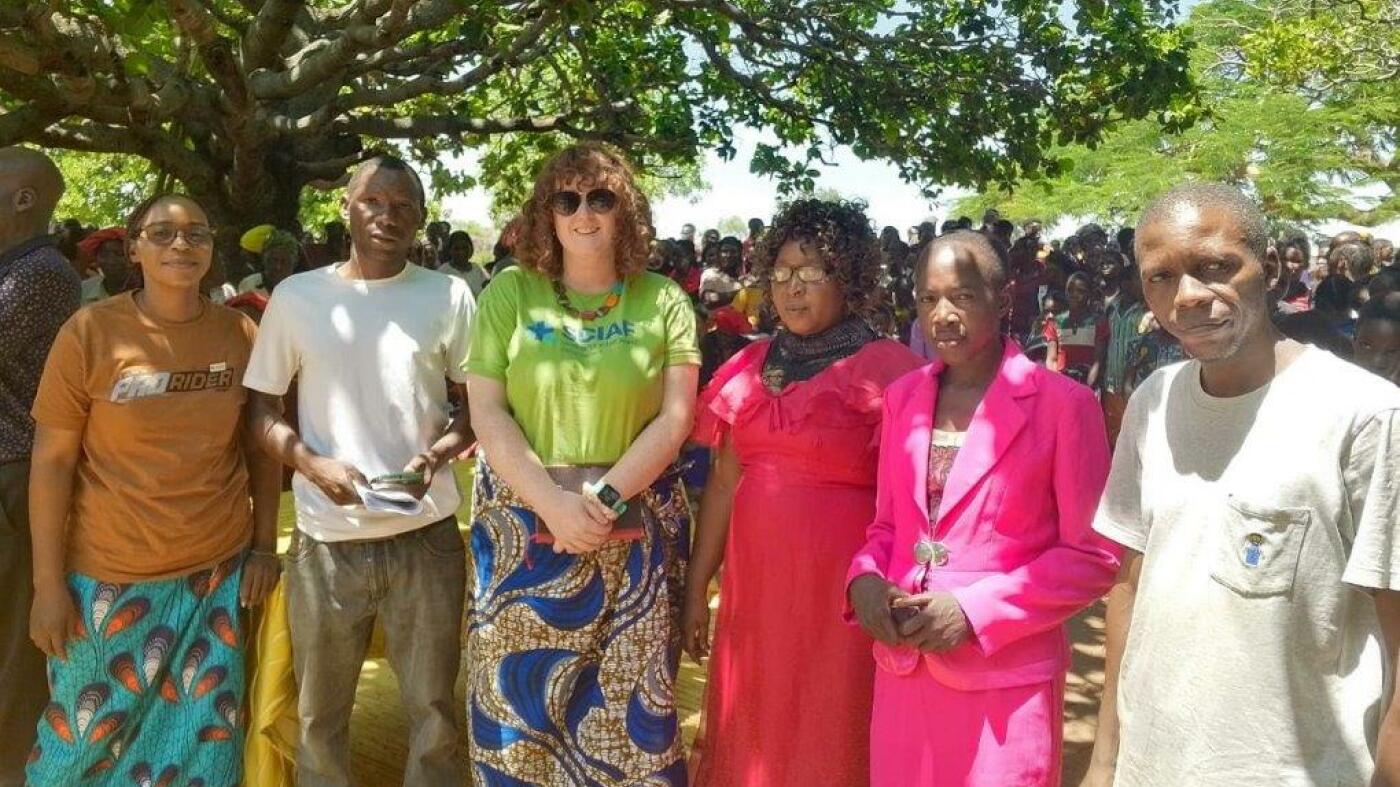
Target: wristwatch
[[608, 496]]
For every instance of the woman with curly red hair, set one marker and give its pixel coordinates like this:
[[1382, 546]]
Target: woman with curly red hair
[[794, 424], [581, 383]]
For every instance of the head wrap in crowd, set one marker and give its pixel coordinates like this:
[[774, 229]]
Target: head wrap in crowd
[[87, 247], [264, 237]]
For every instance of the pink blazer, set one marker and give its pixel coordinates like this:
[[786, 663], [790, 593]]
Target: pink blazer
[[1015, 518]]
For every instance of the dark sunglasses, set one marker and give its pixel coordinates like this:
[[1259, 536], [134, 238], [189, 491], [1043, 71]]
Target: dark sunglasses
[[566, 203]]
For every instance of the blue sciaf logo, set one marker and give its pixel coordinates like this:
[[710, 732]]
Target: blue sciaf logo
[[545, 333], [541, 331]]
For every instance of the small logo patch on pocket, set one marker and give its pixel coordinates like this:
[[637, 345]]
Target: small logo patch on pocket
[[1253, 552]]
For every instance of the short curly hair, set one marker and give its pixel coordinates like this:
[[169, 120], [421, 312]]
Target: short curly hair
[[590, 165], [841, 236]]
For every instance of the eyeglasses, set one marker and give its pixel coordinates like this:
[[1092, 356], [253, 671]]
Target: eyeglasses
[[165, 234], [566, 203], [807, 274]]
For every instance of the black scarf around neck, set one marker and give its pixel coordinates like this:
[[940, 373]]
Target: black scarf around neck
[[795, 359]]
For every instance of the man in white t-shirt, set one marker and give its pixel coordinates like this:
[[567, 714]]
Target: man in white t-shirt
[[372, 343], [1257, 614]]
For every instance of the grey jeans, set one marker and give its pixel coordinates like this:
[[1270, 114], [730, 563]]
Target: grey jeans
[[414, 584], [24, 687]]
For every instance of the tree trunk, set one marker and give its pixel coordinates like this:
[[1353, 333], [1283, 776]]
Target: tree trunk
[[279, 207]]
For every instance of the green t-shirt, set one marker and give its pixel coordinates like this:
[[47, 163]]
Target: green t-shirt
[[581, 391]]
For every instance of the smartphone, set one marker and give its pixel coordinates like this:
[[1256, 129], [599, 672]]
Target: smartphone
[[396, 479]]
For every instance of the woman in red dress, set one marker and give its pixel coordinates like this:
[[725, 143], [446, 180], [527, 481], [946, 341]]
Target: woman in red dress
[[794, 425]]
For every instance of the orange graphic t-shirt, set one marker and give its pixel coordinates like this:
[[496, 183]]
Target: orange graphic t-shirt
[[161, 488]]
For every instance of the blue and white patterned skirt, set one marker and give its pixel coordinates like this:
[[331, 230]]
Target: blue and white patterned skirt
[[573, 658]]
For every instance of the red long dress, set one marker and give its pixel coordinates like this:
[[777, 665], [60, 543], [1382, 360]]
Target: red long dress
[[790, 683]]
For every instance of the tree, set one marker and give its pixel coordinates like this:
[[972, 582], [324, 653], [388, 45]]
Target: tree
[[483, 239], [102, 187], [1303, 158], [249, 102], [1343, 54], [733, 225]]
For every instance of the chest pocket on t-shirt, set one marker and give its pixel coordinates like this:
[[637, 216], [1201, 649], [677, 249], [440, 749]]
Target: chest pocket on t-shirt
[[1257, 550]]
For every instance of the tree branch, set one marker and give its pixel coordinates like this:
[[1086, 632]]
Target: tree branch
[[317, 62], [18, 56], [21, 124], [363, 29], [514, 55], [90, 139], [268, 31], [752, 84], [334, 168], [449, 125]]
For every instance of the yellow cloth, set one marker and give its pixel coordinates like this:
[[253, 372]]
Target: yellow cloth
[[254, 239], [270, 755], [749, 302]]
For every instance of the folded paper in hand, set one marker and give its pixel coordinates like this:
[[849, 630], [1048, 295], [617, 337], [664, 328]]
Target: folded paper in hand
[[389, 501]]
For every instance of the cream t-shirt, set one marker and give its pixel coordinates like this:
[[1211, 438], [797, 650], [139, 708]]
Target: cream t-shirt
[[1254, 653], [372, 360]]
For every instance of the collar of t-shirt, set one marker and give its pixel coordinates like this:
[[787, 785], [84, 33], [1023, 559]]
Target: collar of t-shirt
[[1204, 399], [15, 252]]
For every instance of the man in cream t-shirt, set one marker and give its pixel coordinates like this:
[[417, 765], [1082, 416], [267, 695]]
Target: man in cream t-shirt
[[372, 343], [1257, 614]]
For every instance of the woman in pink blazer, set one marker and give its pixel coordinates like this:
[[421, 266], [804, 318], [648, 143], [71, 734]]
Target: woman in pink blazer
[[981, 548]]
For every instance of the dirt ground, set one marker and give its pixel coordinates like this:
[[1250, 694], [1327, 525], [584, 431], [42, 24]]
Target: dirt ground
[[379, 734]]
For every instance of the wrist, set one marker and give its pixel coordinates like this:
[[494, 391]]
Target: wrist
[[551, 501], [1105, 751], [308, 464], [697, 589], [863, 580]]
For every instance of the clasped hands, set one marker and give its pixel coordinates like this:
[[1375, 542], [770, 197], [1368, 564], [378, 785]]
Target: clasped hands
[[579, 521], [930, 622]]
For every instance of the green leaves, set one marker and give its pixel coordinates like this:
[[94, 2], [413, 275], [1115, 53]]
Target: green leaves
[[102, 189], [972, 92], [1258, 121]]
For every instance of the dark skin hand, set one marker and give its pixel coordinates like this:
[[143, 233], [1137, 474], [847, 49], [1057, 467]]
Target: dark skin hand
[[873, 598], [937, 625]]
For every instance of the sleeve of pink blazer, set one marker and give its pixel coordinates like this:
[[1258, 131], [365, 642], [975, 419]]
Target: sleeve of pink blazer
[[1075, 571], [874, 557]]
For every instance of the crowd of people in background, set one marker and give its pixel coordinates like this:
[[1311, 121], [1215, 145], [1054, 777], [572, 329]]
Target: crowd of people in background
[[918, 457], [1077, 304]]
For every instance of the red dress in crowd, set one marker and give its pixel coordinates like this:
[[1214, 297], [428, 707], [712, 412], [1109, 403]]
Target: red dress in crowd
[[790, 683]]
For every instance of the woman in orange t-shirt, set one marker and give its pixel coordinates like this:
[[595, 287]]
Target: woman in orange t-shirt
[[145, 542]]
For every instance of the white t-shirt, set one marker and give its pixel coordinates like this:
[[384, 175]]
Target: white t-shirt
[[372, 359], [474, 276], [249, 283], [223, 293], [1254, 653], [716, 280]]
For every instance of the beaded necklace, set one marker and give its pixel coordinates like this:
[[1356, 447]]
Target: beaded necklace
[[609, 303]]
